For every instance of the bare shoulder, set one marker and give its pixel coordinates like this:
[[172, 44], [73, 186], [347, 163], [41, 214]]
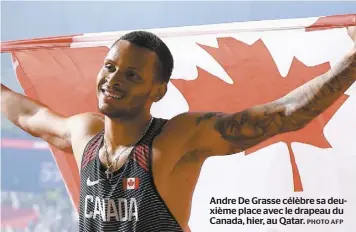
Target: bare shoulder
[[196, 134], [83, 128], [178, 125], [86, 125], [182, 132], [189, 123]]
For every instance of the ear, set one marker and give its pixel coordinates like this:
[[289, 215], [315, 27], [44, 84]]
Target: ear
[[160, 92]]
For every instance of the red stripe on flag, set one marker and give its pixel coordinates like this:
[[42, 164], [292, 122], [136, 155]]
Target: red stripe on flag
[[48, 42], [334, 21], [23, 144]]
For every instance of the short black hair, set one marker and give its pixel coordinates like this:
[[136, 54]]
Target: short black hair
[[152, 42]]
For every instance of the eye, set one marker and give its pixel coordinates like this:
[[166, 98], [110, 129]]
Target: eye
[[131, 75], [110, 67]]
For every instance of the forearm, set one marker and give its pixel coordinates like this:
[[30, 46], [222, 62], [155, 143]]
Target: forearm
[[291, 112], [17, 107], [311, 99], [244, 129]]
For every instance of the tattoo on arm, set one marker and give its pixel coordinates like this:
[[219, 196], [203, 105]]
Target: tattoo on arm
[[291, 112], [249, 127], [311, 99], [207, 116]]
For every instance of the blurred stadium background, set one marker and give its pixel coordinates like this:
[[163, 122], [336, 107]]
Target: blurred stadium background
[[33, 196]]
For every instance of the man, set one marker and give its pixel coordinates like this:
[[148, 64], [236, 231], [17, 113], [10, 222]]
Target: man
[[139, 173]]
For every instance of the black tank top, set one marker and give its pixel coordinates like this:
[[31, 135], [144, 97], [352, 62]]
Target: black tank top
[[129, 200]]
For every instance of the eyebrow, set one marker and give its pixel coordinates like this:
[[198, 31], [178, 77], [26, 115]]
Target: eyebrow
[[130, 67], [135, 68], [107, 59]]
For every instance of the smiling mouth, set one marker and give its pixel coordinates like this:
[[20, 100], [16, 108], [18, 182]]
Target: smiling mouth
[[111, 93]]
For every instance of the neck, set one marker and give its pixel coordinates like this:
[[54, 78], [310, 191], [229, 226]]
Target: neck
[[124, 132]]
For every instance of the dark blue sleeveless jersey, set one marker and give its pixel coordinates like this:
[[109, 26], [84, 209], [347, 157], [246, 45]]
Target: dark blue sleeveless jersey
[[129, 201]]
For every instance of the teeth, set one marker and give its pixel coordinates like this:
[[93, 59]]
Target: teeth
[[106, 93]]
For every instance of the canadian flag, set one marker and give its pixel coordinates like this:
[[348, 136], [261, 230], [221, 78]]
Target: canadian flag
[[131, 183]]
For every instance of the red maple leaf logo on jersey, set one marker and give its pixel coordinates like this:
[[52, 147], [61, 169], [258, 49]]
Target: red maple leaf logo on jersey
[[131, 183], [256, 81]]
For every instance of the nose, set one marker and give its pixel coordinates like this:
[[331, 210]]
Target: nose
[[115, 79]]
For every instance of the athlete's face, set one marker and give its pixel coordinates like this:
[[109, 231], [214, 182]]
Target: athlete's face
[[127, 84]]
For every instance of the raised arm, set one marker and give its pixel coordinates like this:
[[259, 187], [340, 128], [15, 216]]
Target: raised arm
[[36, 119], [219, 134]]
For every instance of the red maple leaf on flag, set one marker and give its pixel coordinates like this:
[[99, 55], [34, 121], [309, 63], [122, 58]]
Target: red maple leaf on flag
[[256, 81]]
